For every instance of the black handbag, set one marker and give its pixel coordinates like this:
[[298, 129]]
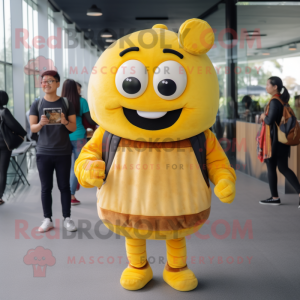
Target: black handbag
[[11, 139]]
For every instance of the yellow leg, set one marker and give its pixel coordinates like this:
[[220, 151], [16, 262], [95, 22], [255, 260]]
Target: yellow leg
[[139, 272], [136, 252], [176, 272]]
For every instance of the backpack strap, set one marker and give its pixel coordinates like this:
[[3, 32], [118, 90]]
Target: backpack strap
[[110, 143], [277, 98], [40, 101], [266, 110], [287, 110], [198, 145]]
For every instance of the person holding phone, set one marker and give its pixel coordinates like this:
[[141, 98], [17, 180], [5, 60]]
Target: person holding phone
[[54, 148]]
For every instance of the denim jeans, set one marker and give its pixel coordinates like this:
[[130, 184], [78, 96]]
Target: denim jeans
[[46, 165], [76, 148]]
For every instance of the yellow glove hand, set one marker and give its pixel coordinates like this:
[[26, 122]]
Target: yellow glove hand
[[225, 190], [94, 172]]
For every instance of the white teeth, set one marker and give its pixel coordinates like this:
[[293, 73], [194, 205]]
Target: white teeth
[[151, 114]]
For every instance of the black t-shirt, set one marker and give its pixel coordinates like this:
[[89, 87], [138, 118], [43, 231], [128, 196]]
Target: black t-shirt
[[53, 139]]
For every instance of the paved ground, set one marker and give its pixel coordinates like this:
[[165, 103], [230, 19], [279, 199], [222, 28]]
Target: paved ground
[[264, 264]]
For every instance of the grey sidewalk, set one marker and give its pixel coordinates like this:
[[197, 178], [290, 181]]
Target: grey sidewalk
[[90, 268]]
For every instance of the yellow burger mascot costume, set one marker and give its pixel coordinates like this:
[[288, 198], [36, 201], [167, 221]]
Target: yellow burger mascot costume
[[155, 95]]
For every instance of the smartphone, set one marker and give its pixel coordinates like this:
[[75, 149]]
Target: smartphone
[[53, 115]]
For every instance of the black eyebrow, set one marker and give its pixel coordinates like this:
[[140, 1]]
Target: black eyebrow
[[173, 52], [128, 50]]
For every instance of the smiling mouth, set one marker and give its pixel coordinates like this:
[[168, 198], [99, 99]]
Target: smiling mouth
[[152, 120]]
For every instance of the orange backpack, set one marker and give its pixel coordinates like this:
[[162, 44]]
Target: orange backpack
[[289, 128]]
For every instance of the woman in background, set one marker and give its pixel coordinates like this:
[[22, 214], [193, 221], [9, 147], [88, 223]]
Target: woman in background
[[247, 100], [90, 127], [78, 137], [5, 153], [280, 152], [79, 86]]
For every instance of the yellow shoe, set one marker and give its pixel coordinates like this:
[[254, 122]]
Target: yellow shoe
[[136, 278], [182, 279]]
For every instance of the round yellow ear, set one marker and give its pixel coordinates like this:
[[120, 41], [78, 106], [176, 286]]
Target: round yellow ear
[[196, 36], [162, 26]]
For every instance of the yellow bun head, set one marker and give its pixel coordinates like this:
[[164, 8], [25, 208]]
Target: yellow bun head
[[154, 86], [162, 26], [196, 36]]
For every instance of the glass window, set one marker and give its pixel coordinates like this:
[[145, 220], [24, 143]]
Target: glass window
[[30, 23], [30, 31], [65, 50], [9, 87], [271, 50], [2, 53], [51, 33], [7, 26], [35, 30], [25, 27], [5, 51], [217, 55], [27, 92], [2, 77]]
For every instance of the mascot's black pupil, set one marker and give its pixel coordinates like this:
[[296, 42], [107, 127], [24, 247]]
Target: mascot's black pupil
[[167, 87], [131, 85]]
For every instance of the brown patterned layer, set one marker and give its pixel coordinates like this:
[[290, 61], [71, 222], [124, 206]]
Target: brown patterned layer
[[170, 269], [154, 223], [144, 144], [142, 268]]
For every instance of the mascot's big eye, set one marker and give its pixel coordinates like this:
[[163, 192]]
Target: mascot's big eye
[[131, 79], [131, 85], [169, 80]]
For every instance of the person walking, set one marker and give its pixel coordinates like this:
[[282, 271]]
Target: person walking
[[5, 153], [78, 137], [54, 118], [279, 153]]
